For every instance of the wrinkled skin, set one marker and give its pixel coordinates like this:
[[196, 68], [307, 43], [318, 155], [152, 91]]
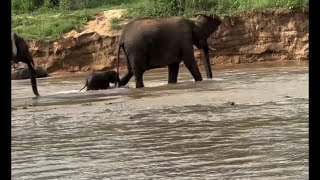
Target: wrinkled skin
[[25, 73], [20, 53], [150, 43], [101, 80]]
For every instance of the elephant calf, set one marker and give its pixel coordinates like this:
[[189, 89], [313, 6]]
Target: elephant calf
[[25, 73], [101, 80]]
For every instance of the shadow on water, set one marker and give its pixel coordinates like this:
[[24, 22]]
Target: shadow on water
[[245, 123]]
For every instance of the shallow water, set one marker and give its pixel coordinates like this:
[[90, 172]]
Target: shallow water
[[184, 131]]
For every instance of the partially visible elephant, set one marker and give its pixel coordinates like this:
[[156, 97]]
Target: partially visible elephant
[[150, 43], [25, 73], [21, 53], [101, 80]]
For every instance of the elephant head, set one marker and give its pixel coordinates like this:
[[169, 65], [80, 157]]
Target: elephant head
[[20, 53], [205, 24], [113, 77]]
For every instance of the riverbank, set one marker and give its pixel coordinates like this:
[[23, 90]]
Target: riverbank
[[247, 37]]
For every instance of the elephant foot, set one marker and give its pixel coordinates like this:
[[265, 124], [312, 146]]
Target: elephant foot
[[198, 79], [125, 79], [138, 75], [36, 97], [172, 80], [139, 85]]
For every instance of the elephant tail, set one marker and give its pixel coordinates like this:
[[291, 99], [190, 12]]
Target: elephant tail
[[84, 86], [118, 56]]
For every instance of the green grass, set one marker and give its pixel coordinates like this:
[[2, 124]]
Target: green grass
[[48, 25], [44, 20], [116, 23]]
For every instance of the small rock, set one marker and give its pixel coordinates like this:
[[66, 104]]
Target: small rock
[[25, 73], [231, 103]]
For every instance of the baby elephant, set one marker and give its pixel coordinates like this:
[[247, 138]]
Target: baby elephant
[[101, 80]]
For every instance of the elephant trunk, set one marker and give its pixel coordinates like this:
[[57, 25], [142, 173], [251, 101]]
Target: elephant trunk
[[206, 61], [33, 74]]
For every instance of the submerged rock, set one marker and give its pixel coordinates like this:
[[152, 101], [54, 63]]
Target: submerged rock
[[24, 73]]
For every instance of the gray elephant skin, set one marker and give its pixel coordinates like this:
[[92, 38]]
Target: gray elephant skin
[[21, 53], [101, 80], [150, 43], [25, 73]]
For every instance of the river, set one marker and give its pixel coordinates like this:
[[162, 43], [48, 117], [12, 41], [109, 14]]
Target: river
[[248, 122]]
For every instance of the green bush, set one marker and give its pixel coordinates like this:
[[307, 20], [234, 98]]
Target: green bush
[[229, 6], [163, 8], [77, 4]]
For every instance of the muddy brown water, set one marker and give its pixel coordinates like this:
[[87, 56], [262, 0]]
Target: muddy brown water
[[184, 131]]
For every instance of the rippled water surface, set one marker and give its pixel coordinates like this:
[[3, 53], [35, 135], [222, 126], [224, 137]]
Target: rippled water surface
[[245, 123]]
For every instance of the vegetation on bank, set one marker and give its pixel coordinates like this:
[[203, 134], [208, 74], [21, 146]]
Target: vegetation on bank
[[49, 19]]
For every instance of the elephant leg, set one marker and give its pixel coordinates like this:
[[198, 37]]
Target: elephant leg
[[126, 78], [194, 70], [138, 74], [106, 86], [173, 72], [190, 62]]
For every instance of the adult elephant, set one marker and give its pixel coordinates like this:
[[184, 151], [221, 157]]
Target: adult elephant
[[20, 53], [150, 43]]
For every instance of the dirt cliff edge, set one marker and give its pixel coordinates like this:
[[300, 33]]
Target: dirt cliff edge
[[255, 36]]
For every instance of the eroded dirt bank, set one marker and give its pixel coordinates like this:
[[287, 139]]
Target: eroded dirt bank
[[255, 36]]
